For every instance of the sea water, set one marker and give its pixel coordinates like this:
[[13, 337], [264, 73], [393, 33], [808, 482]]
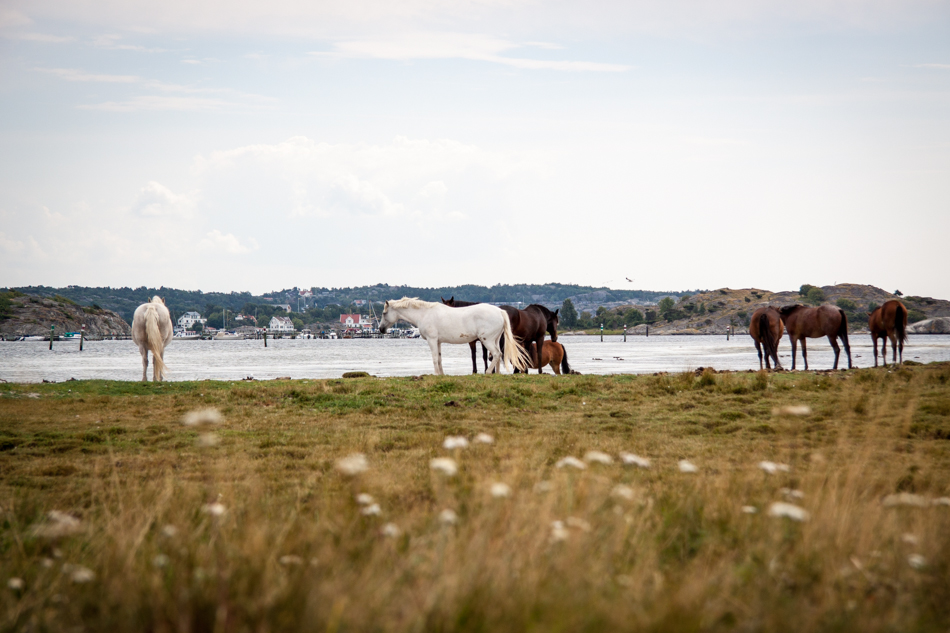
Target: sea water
[[32, 361]]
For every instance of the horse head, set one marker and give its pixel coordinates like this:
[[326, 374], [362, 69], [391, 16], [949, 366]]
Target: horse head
[[553, 322], [387, 319], [450, 302], [785, 311]]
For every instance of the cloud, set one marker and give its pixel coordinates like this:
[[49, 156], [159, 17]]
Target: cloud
[[227, 243], [476, 47], [939, 66], [45, 37], [114, 42], [156, 102], [156, 200], [73, 74]]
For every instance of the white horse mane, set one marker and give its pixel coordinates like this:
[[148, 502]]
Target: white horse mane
[[410, 302]]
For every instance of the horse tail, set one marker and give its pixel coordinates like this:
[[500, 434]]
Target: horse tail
[[154, 341], [514, 355], [843, 328], [565, 368], [765, 333], [900, 322]]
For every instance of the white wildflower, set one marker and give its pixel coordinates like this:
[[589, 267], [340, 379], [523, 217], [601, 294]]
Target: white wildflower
[[391, 530], [371, 510], [58, 525], [207, 440], [629, 459], [687, 466], [16, 584], [772, 467], [500, 490], [484, 438], [793, 409], [573, 462], [453, 442], [558, 531], [365, 499], [580, 524], [353, 465], [599, 457], [624, 492], [444, 465], [160, 560], [941, 501], [169, 531], [792, 494], [916, 561], [782, 509], [910, 539], [289, 560], [79, 574], [215, 509], [904, 499], [47, 563], [201, 417], [448, 517], [749, 509]]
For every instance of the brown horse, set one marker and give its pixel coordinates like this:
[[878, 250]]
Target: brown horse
[[801, 322], [889, 322], [461, 304], [766, 330], [554, 355], [531, 324]]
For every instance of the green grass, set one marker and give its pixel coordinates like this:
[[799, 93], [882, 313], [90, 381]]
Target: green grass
[[672, 551]]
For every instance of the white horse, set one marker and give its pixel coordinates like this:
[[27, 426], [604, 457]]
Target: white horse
[[439, 324], [152, 330]]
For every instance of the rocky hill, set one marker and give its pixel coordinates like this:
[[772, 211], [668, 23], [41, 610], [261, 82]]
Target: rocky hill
[[28, 315], [712, 312]]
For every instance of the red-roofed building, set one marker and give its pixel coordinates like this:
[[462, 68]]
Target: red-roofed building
[[356, 321]]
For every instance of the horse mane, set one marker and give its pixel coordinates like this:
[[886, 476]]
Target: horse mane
[[157, 299], [410, 302], [544, 311], [787, 310]]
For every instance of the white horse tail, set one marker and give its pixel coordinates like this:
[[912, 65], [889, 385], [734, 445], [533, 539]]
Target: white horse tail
[[515, 355], [154, 341]]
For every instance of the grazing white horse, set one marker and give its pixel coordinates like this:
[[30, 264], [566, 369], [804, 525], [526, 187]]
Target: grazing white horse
[[439, 324], [152, 330]]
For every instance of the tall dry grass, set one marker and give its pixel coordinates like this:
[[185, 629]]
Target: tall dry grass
[[263, 532]]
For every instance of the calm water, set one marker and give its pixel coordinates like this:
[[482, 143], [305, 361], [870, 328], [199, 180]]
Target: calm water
[[234, 360]]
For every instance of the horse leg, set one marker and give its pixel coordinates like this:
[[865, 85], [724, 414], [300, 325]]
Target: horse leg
[[893, 338], [485, 355], [539, 342], [496, 356], [804, 354], [883, 351], [144, 351], [436, 350], [758, 348], [834, 345], [794, 348], [874, 340], [474, 357]]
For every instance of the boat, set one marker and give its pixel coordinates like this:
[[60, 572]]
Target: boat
[[187, 335], [228, 336]]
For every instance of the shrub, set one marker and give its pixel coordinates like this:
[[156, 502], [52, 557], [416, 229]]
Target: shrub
[[913, 315], [847, 305], [815, 296]]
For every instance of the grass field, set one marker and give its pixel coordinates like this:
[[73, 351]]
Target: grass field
[[249, 524]]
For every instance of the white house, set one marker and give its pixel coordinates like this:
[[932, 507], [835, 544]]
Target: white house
[[356, 321], [281, 324], [188, 320], [283, 306]]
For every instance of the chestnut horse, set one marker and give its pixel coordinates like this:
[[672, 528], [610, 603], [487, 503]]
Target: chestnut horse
[[802, 321], [452, 303], [554, 355], [766, 330], [889, 322]]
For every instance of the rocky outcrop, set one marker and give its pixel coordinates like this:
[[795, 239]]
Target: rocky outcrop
[[939, 325], [32, 316]]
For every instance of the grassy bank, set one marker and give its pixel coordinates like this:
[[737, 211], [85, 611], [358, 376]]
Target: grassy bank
[[261, 531]]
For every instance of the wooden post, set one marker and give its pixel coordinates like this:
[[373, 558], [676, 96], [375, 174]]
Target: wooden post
[[624, 332], [82, 335], [601, 332], [52, 333], [727, 331], [648, 330], [265, 338]]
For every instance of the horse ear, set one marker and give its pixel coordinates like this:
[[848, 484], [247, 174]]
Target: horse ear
[[556, 311]]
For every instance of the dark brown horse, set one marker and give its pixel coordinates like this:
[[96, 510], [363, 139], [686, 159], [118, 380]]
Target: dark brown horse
[[554, 355], [531, 324], [889, 322], [802, 321], [461, 304], [766, 330]]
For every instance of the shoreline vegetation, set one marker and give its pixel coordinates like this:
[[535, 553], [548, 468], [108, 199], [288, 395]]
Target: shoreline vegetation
[[696, 501]]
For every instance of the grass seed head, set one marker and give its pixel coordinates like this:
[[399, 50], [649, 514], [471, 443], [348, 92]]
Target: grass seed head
[[391, 530], [215, 509], [788, 510], [79, 574], [365, 499], [484, 438], [629, 459], [448, 517], [749, 509], [559, 532], [15, 584], [687, 466], [500, 490], [58, 525], [371, 510], [624, 492], [916, 561], [793, 410], [453, 442], [792, 494], [772, 467], [598, 457], [904, 499]]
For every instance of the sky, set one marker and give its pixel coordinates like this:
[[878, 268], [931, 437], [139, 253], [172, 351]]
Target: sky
[[643, 144]]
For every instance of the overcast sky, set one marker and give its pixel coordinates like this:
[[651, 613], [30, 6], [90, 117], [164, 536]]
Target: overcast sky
[[249, 145]]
